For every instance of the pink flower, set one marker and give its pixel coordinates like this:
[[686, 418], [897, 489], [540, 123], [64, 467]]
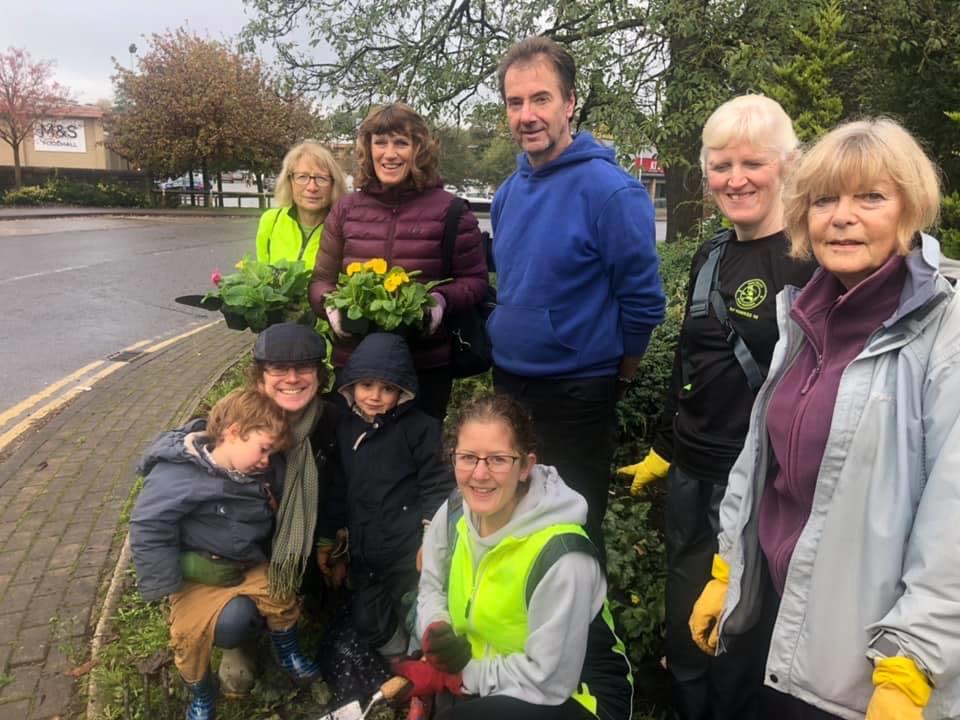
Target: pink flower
[[216, 277]]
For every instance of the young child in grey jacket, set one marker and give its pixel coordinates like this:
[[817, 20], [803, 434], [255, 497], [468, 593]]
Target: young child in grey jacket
[[200, 534]]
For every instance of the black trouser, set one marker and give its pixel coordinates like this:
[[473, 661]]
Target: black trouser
[[382, 601], [502, 707], [704, 687], [577, 428]]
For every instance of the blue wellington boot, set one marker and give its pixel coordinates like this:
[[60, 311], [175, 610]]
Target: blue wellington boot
[[303, 669], [203, 697]]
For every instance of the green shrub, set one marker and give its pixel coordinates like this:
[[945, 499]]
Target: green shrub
[[30, 195], [58, 190], [949, 234]]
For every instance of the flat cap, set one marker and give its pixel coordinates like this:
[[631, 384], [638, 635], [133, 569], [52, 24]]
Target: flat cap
[[289, 343]]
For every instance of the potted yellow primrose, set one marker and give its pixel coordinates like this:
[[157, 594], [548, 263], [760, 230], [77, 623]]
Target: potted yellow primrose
[[373, 297]]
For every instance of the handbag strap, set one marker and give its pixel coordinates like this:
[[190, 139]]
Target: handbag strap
[[450, 234]]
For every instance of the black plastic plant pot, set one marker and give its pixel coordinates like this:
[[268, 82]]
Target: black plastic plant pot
[[234, 321], [360, 326]]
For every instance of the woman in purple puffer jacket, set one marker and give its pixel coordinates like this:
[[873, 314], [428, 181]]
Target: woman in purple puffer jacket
[[399, 215]]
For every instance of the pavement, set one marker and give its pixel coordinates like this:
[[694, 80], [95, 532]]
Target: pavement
[[62, 492]]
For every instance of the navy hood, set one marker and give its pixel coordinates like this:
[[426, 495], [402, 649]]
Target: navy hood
[[381, 356]]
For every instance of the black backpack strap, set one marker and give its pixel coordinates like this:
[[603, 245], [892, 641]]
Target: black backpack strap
[[454, 211], [706, 293], [556, 548], [706, 280]]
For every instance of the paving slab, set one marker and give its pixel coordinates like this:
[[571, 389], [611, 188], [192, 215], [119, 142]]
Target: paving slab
[[61, 496]]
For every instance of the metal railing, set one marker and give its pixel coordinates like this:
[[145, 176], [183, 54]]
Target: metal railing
[[212, 198]]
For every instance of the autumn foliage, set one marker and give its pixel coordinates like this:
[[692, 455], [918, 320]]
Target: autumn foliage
[[194, 102]]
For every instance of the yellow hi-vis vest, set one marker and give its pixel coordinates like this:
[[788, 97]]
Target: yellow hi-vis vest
[[489, 607]]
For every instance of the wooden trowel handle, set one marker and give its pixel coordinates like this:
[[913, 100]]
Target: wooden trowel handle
[[393, 687]]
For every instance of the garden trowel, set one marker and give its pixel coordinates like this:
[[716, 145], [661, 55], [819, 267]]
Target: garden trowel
[[390, 690]]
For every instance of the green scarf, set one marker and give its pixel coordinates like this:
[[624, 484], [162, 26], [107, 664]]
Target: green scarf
[[297, 516]]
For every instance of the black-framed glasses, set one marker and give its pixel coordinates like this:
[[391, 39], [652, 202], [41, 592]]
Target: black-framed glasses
[[281, 369], [495, 463], [305, 178]]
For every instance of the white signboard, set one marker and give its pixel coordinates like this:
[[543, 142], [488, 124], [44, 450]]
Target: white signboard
[[60, 135]]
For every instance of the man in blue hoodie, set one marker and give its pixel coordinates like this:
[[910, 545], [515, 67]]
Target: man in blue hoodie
[[578, 292]]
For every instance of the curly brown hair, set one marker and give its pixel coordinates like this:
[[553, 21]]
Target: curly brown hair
[[399, 119], [491, 407]]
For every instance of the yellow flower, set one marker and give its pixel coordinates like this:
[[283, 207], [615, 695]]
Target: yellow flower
[[395, 279], [378, 265], [241, 264], [354, 267], [634, 599]]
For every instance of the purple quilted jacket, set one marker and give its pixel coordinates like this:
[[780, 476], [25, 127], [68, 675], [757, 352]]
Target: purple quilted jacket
[[405, 228]]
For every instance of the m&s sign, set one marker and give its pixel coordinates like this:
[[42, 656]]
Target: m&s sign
[[60, 135]]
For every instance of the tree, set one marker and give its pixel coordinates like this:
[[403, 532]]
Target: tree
[[804, 85], [197, 103], [27, 95], [649, 73], [906, 66]]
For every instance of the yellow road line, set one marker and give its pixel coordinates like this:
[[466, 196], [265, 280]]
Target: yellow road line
[[84, 384], [46, 392]]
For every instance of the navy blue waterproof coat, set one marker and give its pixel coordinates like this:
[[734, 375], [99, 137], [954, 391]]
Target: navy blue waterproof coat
[[394, 474]]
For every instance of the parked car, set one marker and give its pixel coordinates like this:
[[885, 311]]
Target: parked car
[[183, 183]]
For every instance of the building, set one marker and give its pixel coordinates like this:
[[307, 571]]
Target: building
[[646, 168], [73, 139]]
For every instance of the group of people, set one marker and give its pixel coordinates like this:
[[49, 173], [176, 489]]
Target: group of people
[[806, 440]]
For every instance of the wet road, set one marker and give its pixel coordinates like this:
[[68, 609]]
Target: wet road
[[75, 290]]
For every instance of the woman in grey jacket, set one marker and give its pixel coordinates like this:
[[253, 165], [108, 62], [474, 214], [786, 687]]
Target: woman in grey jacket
[[839, 526]]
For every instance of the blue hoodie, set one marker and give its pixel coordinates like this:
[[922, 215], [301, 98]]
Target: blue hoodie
[[577, 270]]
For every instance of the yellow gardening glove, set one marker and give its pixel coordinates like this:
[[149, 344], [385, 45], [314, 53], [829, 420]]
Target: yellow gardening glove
[[705, 618], [901, 690], [652, 467]]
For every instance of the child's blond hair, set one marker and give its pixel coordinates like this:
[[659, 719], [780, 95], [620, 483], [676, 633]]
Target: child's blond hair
[[250, 410]]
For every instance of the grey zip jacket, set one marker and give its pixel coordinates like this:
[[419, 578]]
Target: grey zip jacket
[[879, 556]]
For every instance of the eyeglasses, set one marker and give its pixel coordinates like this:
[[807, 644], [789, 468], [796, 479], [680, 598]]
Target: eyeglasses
[[305, 178], [280, 370], [495, 463]]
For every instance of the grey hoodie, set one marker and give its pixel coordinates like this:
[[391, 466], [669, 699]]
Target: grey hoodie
[[561, 609]]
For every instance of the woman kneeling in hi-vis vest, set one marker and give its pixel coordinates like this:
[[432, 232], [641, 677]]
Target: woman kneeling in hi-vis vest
[[512, 606]]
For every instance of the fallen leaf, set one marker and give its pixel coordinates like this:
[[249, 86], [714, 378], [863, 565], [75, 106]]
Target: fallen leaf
[[81, 670]]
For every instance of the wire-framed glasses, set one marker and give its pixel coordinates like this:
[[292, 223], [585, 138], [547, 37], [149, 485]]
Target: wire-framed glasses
[[495, 463], [281, 369], [305, 178]]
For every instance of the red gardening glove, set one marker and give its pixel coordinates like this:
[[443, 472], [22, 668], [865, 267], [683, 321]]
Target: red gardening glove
[[444, 649], [426, 679]]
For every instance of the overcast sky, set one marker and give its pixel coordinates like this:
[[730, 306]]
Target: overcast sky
[[81, 36]]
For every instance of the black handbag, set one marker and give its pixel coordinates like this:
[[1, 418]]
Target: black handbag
[[471, 350]]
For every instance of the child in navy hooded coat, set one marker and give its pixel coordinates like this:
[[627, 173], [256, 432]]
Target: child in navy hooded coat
[[394, 478]]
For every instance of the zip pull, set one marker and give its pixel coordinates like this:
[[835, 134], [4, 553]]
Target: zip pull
[[814, 374]]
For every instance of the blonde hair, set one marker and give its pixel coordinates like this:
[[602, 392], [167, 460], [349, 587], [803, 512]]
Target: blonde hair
[[755, 119], [250, 410], [852, 157], [283, 190]]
